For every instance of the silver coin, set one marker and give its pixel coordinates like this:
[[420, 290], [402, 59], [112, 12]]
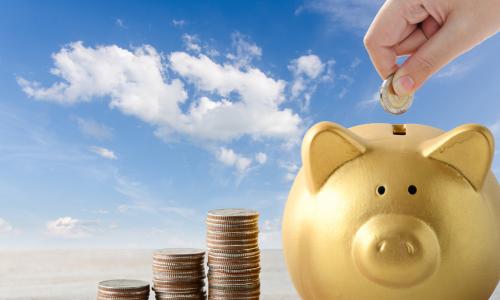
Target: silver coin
[[180, 252], [233, 213], [390, 101], [124, 284]]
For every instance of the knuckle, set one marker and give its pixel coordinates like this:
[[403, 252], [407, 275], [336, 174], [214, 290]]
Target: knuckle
[[413, 11], [368, 41], [425, 64]]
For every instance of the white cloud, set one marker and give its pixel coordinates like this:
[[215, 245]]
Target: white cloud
[[134, 81], [120, 23], [99, 211], [270, 235], [5, 227], [257, 112], [178, 23], [136, 84], [181, 211], [103, 152], [229, 158], [246, 50], [140, 199], [495, 128], [349, 14], [454, 70], [291, 170], [191, 42], [308, 71], [309, 65], [68, 227], [261, 158], [370, 102], [355, 63], [94, 129]]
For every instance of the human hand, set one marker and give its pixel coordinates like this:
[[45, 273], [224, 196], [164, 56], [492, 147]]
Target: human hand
[[432, 32]]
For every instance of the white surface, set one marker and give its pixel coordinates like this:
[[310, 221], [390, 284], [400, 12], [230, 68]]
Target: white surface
[[73, 274]]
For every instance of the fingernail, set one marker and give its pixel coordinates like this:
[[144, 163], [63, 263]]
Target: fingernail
[[404, 85]]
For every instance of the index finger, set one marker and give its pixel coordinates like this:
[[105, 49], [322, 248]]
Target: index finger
[[394, 22]]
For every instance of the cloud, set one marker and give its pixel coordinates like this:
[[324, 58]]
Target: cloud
[[103, 152], [68, 227], [29, 143], [5, 227], [254, 112], [270, 235], [140, 199], [94, 129], [370, 102], [99, 211], [261, 158], [454, 70], [229, 158], [309, 65], [178, 23], [120, 23], [355, 63], [248, 101], [347, 14], [495, 128], [191, 42], [246, 51], [346, 76], [308, 71], [291, 170]]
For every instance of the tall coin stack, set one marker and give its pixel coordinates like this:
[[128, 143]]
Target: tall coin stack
[[179, 274], [233, 254], [123, 289]]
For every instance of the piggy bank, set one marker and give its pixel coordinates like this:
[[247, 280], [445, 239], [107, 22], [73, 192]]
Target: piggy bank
[[393, 212]]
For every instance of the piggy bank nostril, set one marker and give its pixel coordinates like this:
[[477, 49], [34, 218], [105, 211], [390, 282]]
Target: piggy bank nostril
[[381, 246], [410, 248]]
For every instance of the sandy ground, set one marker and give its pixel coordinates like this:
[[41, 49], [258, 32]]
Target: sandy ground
[[73, 274]]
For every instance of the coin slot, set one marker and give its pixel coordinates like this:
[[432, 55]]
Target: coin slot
[[399, 129]]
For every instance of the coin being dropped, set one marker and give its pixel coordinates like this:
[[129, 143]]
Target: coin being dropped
[[390, 101]]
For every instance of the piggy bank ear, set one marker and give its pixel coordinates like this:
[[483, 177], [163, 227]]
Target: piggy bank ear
[[468, 148], [325, 148]]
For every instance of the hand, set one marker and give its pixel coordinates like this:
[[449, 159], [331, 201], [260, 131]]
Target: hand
[[432, 32]]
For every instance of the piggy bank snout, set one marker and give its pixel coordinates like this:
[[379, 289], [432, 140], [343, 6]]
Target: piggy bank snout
[[396, 250]]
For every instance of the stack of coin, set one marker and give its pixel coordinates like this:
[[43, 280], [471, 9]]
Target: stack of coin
[[233, 254], [123, 289], [179, 274]]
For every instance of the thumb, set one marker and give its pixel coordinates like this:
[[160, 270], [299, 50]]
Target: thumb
[[445, 45]]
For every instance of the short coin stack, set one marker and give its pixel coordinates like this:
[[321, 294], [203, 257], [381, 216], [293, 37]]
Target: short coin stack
[[123, 289], [179, 274], [233, 254]]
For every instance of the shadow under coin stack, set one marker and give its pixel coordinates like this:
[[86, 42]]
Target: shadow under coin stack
[[233, 254], [179, 274], [123, 289]]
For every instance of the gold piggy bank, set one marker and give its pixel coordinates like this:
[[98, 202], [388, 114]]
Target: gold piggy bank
[[394, 212]]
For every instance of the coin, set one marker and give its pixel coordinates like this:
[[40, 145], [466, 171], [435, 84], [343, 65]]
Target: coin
[[179, 273], [390, 101], [123, 289], [233, 254], [233, 212]]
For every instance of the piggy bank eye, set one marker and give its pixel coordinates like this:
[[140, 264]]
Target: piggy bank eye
[[412, 190], [380, 190]]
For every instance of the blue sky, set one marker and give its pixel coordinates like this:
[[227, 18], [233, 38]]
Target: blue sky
[[123, 123]]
